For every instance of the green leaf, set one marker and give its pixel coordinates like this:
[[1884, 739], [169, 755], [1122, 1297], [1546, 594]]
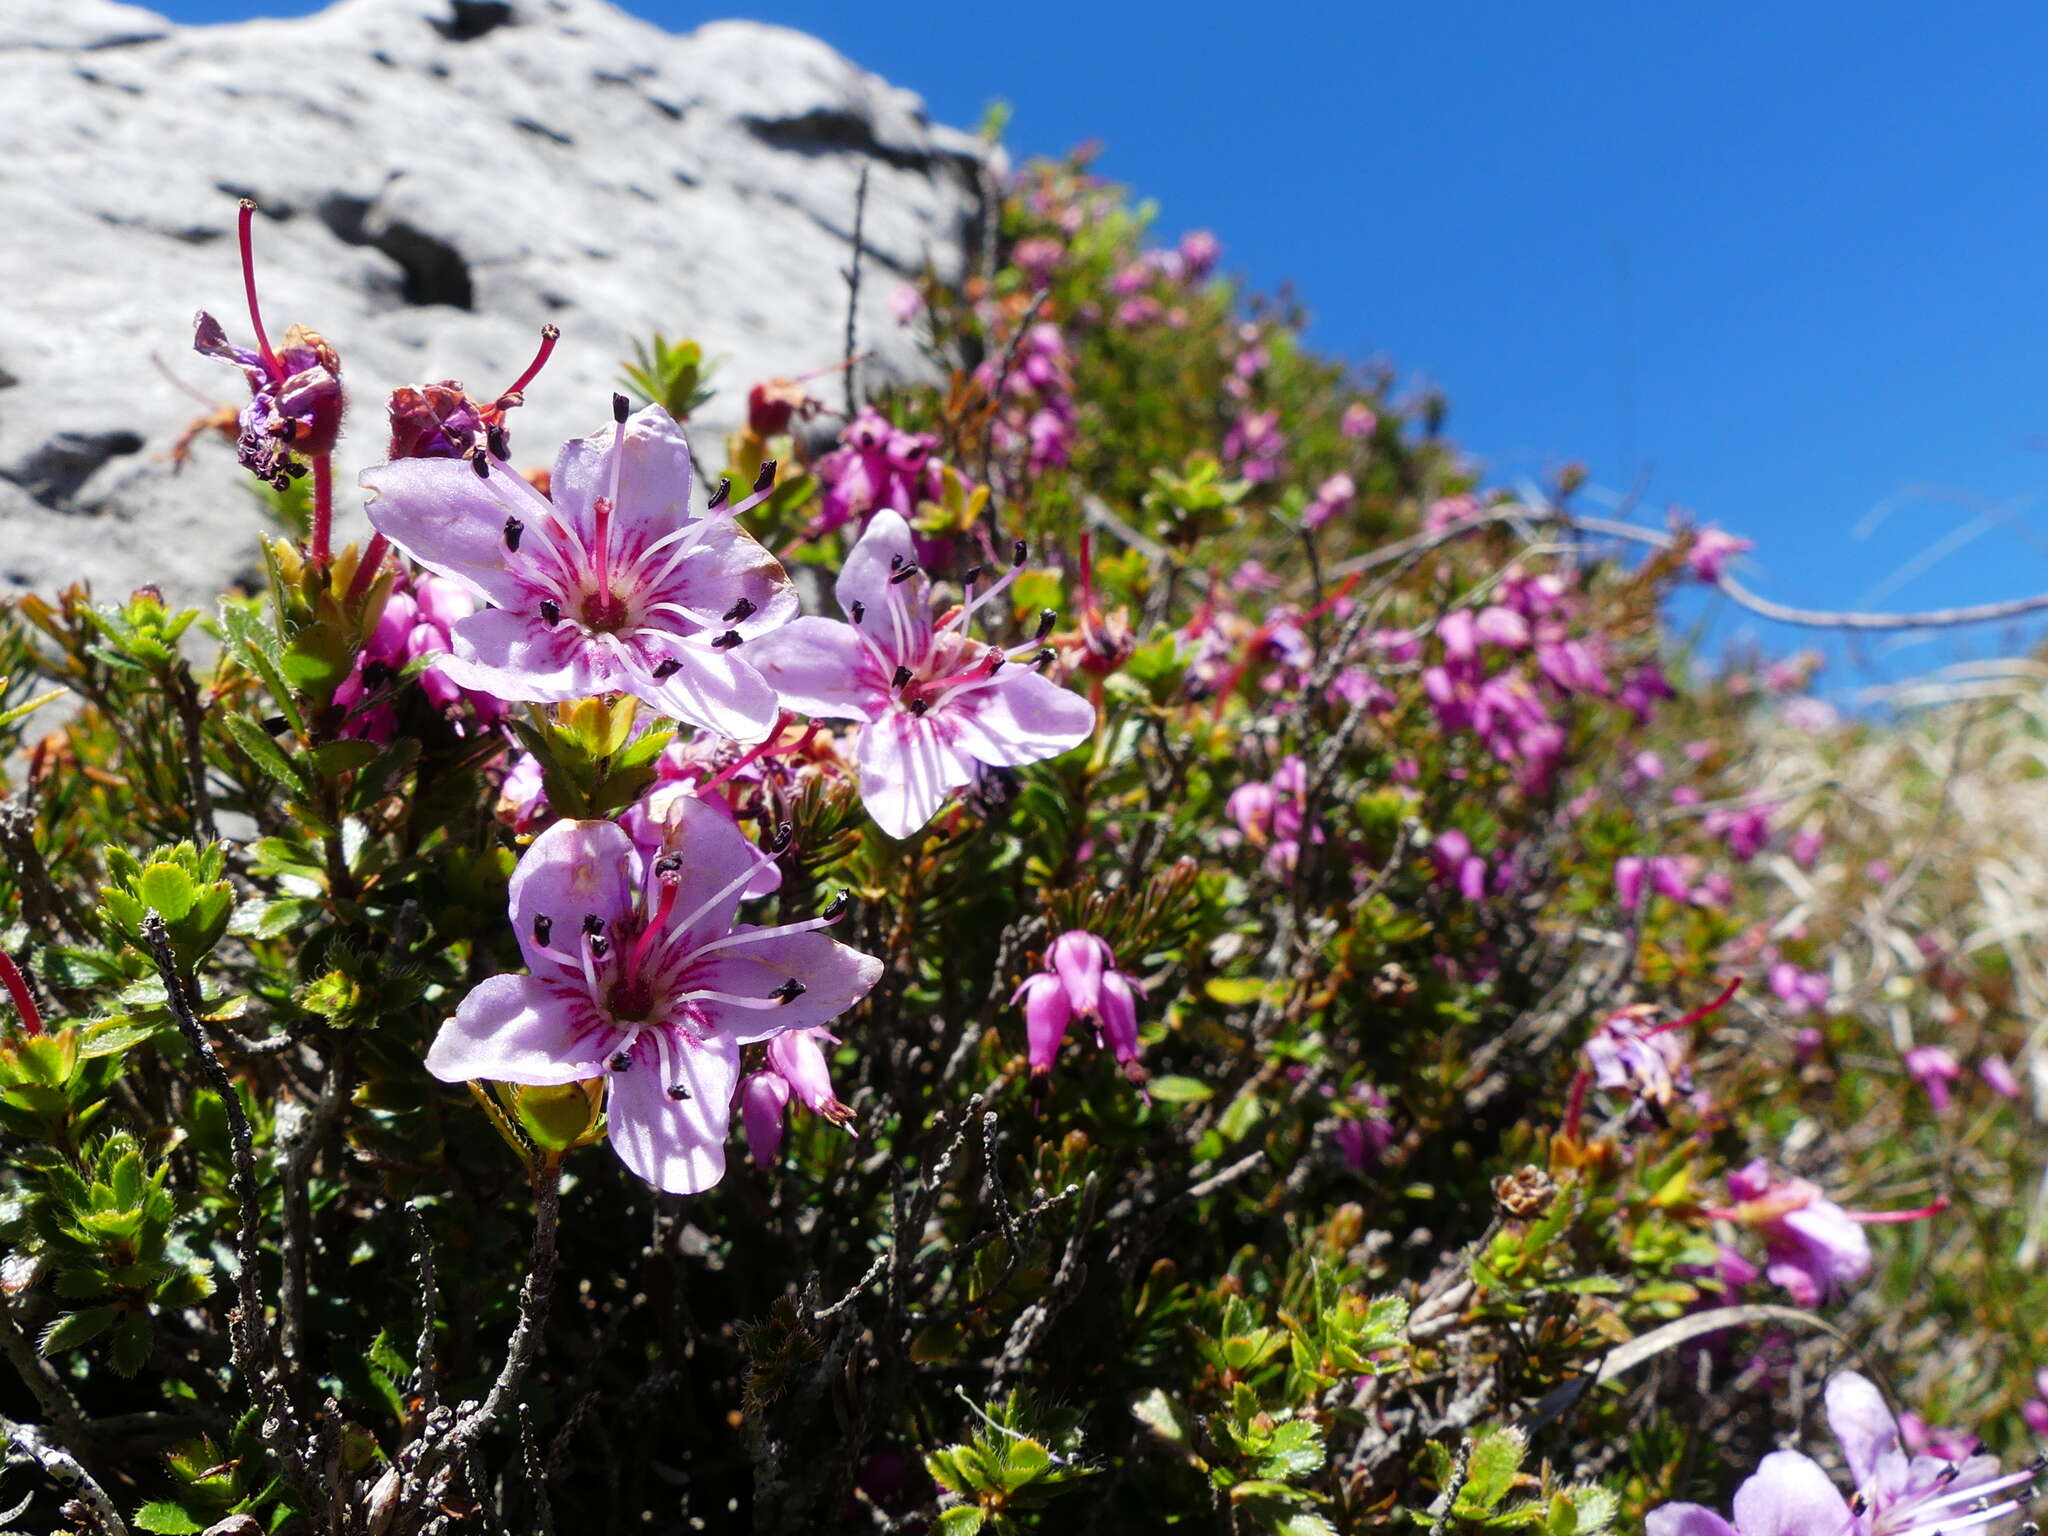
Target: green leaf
[[110, 1037], [1296, 1450], [962, 1520], [266, 754], [1496, 1461], [1164, 1417], [79, 1328], [169, 889], [166, 1519], [1180, 1090]]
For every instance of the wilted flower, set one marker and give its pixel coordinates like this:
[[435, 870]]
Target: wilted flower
[[935, 704], [613, 586], [638, 975], [1080, 981]]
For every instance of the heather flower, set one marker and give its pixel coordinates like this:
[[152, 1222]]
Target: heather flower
[[1366, 1131], [1662, 873], [1895, 1494], [877, 464], [1358, 422], [295, 399], [441, 421], [2035, 1409], [1801, 991], [797, 1068], [1747, 832], [639, 975], [1254, 445], [1199, 251], [1333, 498], [1998, 1077], [613, 586], [1708, 555], [1080, 981], [935, 705], [417, 621], [1269, 813], [1933, 1068], [1812, 1245]]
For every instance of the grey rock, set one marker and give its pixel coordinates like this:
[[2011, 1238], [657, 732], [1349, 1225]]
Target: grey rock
[[437, 179]]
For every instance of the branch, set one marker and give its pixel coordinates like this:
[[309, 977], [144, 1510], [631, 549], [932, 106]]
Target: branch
[[860, 213], [41, 1378], [63, 1469], [248, 1334]]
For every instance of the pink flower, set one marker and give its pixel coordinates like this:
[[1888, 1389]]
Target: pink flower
[[877, 464], [1199, 251], [1801, 991], [1630, 1052], [1806, 845], [1710, 551], [1364, 1134], [906, 303], [1811, 1244], [638, 975], [1334, 496], [1933, 1069], [1896, 1494], [797, 1069], [1747, 832], [1080, 981], [1358, 422], [2035, 1409], [1998, 1078], [1663, 873], [613, 586], [934, 704]]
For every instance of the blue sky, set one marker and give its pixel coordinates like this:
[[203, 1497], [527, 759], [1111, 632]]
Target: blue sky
[[1785, 266]]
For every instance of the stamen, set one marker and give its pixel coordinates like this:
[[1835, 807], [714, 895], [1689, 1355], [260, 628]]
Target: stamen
[[784, 835], [549, 335], [731, 888], [621, 1062], [790, 990], [719, 494], [741, 610], [766, 478], [498, 440], [1044, 659], [730, 999], [1018, 551], [621, 408], [903, 574], [903, 676], [971, 575], [481, 464], [757, 935], [726, 641], [836, 907], [667, 669], [678, 1091], [919, 705], [543, 930], [859, 610], [513, 529], [550, 612], [1046, 619]]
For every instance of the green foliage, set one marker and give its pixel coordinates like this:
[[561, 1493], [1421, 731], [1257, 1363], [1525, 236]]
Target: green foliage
[[670, 374]]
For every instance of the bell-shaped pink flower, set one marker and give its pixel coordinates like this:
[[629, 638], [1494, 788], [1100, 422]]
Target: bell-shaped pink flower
[[935, 704], [1934, 1069], [1080, 981], [638, 974], [614, 586]]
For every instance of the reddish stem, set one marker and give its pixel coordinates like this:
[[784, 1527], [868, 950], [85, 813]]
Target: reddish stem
[[1887, 1218], [368, 567], [1575, 1107], [248, 219], [323, 509], [753, 754], [17, 988], [1727, 993]]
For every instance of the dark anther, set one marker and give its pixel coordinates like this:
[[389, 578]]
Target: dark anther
[[513, 529], [668, 865], [895, 562], [718, 495], [277, 725], [859, 610], [1948, 1474], [783, 835], [903, 574], [919, 706], [1044, 657], [973, 574], [766, 478], [543, 930], [836, 907], [592, 923], [678, 1092], [621, 409], [1857, 1502], [1046, 619], [726, 641], [375, 675], [550, 612], [664, 670], [1018, 551], [743, 609], [790, 990], [498, 442], [600, 946], [481, 464], [903, 675], [621, 1061]]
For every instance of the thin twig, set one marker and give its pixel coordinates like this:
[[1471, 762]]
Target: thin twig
[[860, 213], [64, 1469]]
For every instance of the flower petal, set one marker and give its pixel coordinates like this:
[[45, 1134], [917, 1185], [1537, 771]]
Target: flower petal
[[725, 564], [654, 478], [835, 977], [521, 1029], [1789, 1495], [864, 579], [515, 656], [1020, 718], [719, 866], [820, 668], [573, 870], [674, 1144], [715, 690], [447, 519], [1685, 1520], [1858, 1415], [906, 771]]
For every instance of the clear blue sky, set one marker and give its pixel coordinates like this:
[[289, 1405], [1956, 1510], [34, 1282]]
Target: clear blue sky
[[1789, 265]]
